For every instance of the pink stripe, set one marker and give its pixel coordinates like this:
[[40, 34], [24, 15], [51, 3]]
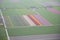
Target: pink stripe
[[53, 10]]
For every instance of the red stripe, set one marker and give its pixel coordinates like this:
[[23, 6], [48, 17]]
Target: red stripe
[[34, 19]]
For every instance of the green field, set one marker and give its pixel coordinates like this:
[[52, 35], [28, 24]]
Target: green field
[[2, 33], [34, 31], [11, 9], [54, 19]]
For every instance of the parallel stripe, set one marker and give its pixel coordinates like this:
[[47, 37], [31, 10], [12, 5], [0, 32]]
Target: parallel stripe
[[29, 20], [37, 17], [42, 20], [35, 20]]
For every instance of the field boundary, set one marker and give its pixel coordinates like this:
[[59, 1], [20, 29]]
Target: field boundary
[[8, 38]]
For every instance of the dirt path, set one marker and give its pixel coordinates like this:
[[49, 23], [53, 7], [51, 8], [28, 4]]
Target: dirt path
[[37, 37]]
